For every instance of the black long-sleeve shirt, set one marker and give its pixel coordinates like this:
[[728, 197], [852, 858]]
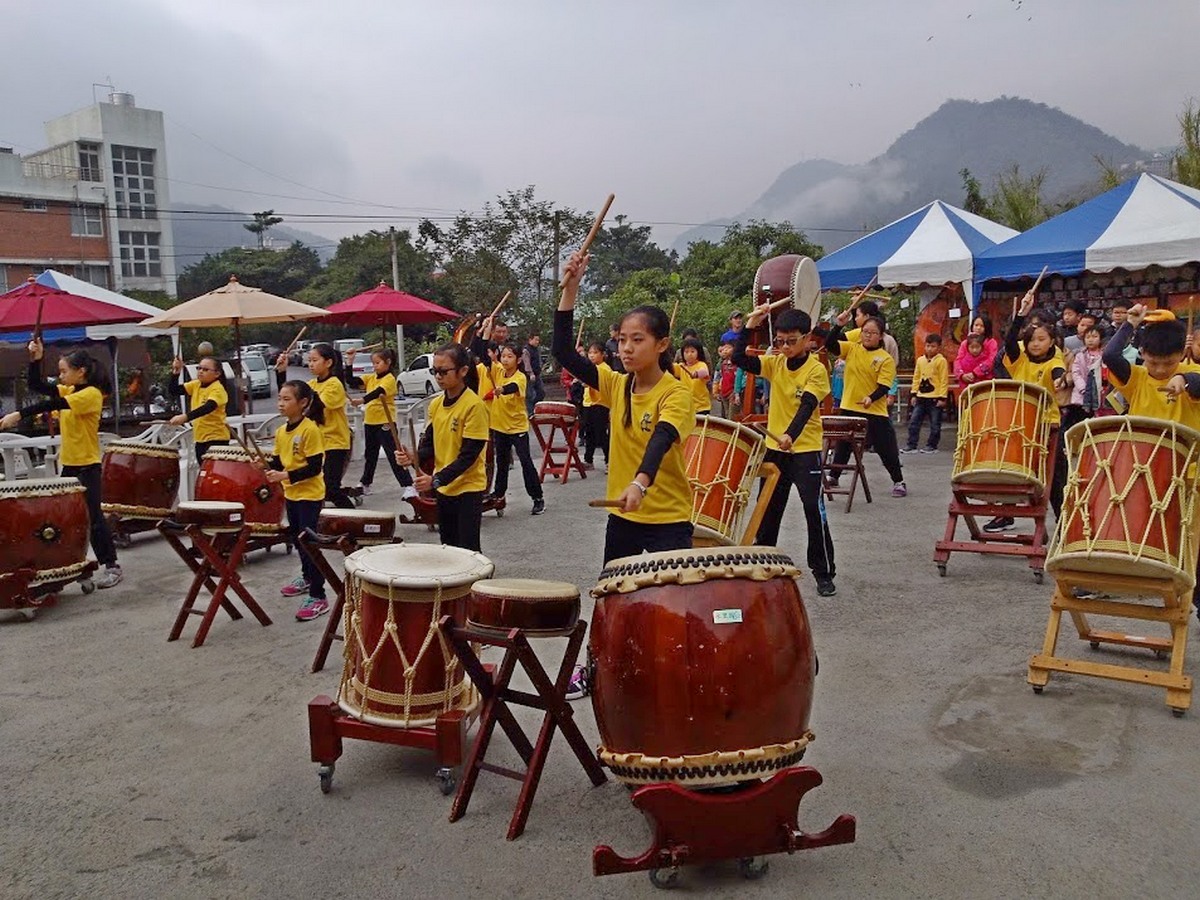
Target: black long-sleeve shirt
[[39, 385]]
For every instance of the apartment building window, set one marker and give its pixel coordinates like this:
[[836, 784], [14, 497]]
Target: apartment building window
[[35, 205], [87, 221], [139, 255], [97, 275], [133, 182], [89, 162]]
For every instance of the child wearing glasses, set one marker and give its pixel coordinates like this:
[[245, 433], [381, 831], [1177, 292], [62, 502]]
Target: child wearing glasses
[[208, 397]]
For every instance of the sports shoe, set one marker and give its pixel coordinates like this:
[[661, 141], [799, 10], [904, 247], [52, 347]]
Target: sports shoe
[[826, 587], [295, 588], [111, 578], [929, 450], [578, 687], [409, 493], [312, 608], [899, 490], [539, 507], [908, 449], [364, 489], [1000, 523]]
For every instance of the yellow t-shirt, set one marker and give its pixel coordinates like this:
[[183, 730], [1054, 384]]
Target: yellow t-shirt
[[509, 415], [865, 370], [1146, 399], [485, 385], [209, 427], [467, 417], [294, 449], [336, 430], [1041, 374], [787, 389], [591, 396], [80, 424], [376, 412], [937, 370], [670, 497], [701, 399]]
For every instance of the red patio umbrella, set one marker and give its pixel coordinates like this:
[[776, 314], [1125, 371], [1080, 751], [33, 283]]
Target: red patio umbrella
[[384, 305], [22, 308]]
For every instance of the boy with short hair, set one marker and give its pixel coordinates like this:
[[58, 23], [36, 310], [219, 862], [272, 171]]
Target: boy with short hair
[[930, 386]]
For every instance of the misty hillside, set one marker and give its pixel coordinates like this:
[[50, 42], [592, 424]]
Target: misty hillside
[[923, 165], [221, 228]]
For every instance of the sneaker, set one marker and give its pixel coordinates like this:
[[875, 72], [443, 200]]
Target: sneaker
[[539, 507], [929, 450], [364, 489], [908, 449], [588, 464], [578, 687], [312, 608], [295, 588], [410, 493], [1000, 523], [111, 578], [826, 587], [899, 490]]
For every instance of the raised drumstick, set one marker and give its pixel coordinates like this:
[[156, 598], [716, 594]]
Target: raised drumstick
[[295, 341], [1033, 290], [858, 298], [500, 305], [587, 242], [579, 337]]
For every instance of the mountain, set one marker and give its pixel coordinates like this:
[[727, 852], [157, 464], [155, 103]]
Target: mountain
[[200, 230], [923, 165]]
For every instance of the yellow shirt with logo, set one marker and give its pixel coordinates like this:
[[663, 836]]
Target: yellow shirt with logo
[[80, 424], [1146, 397], [787, 389], [466, 418], [336, 430], [865, 370], [591, 396], [294, 447], [485, 385], [701, 399], [376, 412], [670, 497], [937, 370], [211, 426], [509, 415], [1041, 374]]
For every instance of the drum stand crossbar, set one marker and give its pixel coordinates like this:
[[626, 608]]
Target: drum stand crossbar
[[692, 827], [1021, 501], [20, 589], [1174, 613], [498, 696], [566, 427], [856, 436], [211, 554]]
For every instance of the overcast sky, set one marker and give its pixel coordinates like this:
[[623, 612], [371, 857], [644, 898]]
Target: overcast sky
[[686, 110]]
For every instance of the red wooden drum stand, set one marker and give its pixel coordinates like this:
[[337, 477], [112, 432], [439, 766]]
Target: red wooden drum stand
[[559, 453]]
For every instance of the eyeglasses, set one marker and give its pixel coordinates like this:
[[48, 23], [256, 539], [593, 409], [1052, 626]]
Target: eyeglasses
[[438, 373], [787, 342]]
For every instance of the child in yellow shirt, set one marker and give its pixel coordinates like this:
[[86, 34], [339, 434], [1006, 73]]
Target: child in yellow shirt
[[930, 385]]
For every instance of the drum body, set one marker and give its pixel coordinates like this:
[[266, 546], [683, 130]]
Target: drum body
[[1003, 435], [844, 428], [1129, 504], [722, 459], [44, 526], [139, 480], [366, 526], [552, 408], [228, 474], [399, 672], [704, 666], [789, 276], [539, 608]]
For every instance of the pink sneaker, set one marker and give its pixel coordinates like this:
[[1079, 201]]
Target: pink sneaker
[[313, 608], [297, 587]]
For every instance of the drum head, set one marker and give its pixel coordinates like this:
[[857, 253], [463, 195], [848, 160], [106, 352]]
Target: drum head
[[29, 487], [630, 573], [529, 588], [211, 506], [357, 515], [418, 566], [806, 288]]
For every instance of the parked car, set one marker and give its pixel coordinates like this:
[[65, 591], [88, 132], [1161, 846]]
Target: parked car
[[258, 374], [299, 354], [362, 365], [417, 379]]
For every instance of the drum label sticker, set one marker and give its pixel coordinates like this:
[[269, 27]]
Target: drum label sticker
[[371, 528], [235, 517], [727, 616]]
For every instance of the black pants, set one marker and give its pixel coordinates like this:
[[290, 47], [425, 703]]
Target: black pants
[[535, 393], [804, 471], [625, 538], [505, 444], [202, 447], [925, 408], [1058, 477], [459, 518], [333, 470], [880, 435], [101, 537], [303, 514], [595, 432], [378, 436]]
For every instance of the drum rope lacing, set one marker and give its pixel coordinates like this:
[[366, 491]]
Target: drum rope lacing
[[135, 512], [757, 565], [1033, 450], [717, 766], [734, 500]]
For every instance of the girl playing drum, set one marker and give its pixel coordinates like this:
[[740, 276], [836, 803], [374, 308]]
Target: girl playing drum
[[325, 362], [377, 404], [208, 396]]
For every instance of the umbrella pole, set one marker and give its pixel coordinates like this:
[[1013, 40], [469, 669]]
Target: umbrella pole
[[246, 405]]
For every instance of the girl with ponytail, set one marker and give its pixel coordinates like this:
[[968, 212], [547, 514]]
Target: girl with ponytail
[[325, 363]]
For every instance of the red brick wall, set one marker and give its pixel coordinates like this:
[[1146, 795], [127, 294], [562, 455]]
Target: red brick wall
[[45, 235]]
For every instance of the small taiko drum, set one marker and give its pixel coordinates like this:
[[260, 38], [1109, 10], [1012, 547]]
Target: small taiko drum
[[704, 666], [44, 527], [1003, 434], [1129, 503], [365, 526], [844, 428], [213, 516], [721, 459], [399, 672], [538, 608], [139, 480], [230, 474]]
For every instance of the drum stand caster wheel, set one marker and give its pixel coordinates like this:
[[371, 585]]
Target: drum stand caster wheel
[[122, 540], [1038, 577], [325, 773], [28, 613], [1037, 688], [1160, 654], [446, 781], [665, 879], [753, 867], [1177, 713], [1095, 645], [87, 585], [499, 514], [942, 569]]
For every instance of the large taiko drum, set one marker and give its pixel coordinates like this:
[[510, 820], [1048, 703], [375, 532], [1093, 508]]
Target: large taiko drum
[[704, 666], [1003, 434], [229, 474], [139, 480], [790, 276], [399, 672], [538, 608], [365, 526], [548, 409], [44, 527], [1129, 503], [721, 459]]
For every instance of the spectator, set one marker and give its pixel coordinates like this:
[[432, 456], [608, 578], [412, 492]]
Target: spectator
[[735, 328], [531, 365]]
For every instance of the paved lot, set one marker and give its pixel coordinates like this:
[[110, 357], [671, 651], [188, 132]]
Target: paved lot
[[137, 768]]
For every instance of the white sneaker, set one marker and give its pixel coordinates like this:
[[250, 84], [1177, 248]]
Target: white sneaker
[[111, 578], [364, 489], [410, 493]]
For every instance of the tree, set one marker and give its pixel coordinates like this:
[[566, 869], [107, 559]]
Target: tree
[[364, 260], [1185, 167], [263, 221], [974, 202], [1017, 200], [1110, 175], [730, 265], [620, 251], [279, 272]]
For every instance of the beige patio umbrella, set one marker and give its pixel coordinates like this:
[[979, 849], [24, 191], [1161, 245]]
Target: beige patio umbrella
[[233, 304]]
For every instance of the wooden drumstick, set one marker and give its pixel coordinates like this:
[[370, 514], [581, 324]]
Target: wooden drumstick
[[37, 326], [262, 456], [579, 337], [858, 298], [412, 434], [772, 435], [500, 305], [368, 347], [778, 303], [1033, 290], [295, 341], [587, 242], [606, 504]]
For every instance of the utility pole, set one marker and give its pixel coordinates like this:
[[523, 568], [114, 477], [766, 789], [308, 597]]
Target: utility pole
[[396, 286]]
